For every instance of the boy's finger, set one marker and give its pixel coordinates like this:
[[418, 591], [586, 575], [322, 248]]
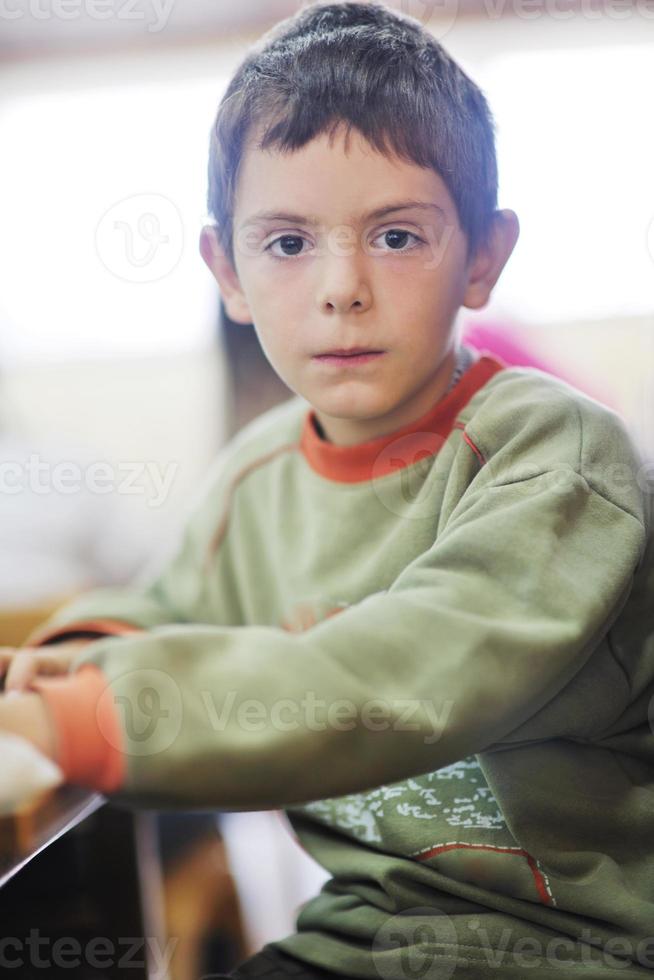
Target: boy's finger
[[27, 663], [7, 654], [22, 670]]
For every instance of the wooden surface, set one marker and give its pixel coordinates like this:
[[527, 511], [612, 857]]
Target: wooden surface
[[17, 622]]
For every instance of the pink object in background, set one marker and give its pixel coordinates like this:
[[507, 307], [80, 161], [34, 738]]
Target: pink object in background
[[508, 343]]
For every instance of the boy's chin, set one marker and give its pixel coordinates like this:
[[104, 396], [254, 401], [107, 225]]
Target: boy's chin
[[354, 409]]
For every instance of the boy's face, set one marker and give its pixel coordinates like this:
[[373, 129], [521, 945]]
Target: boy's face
[[327, 273]]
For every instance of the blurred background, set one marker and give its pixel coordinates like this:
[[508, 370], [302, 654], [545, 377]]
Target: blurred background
[[116, 358]]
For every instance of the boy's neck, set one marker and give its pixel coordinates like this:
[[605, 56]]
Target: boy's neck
[[455, 365]]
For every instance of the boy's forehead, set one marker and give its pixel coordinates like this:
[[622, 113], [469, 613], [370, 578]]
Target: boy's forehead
[[306, 183]]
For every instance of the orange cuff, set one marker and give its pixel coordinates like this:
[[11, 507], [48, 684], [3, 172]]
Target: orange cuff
[[88, 729]]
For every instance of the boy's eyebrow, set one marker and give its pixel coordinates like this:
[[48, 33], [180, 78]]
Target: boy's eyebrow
[[273, 215]]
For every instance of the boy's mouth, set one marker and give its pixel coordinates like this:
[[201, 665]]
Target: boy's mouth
[[348, 351], [353, 355]]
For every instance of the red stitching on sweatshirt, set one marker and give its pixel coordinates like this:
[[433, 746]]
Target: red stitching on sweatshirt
[[544, 892], [478, 453], [219, 533], [538, 880]]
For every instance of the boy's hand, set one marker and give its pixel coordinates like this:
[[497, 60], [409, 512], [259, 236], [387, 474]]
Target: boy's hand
[[26, 715], [25, 774], [19, 666]]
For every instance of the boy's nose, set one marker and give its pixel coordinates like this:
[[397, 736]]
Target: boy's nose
[[343, 286]]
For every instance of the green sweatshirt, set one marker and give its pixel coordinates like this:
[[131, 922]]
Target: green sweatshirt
[[434, 651]]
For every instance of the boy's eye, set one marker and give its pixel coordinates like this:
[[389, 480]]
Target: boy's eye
[[291, 245], [396, 239], [292, 241]]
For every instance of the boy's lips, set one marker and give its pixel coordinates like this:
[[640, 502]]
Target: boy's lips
[[348, 351], [350, 359]]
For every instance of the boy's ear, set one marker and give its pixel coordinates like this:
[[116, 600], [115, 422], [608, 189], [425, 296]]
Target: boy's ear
[[491, 257], [225, 275]]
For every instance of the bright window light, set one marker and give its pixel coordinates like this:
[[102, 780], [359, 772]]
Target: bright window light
[[576, 158], [102, 197]]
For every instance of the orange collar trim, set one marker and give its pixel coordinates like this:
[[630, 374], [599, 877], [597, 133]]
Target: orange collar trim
[[386, 454]]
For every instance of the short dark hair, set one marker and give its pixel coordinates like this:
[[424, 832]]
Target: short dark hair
[[375, 70]]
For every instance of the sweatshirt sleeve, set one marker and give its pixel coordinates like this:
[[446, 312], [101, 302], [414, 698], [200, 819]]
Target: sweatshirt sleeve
[[472, 639]]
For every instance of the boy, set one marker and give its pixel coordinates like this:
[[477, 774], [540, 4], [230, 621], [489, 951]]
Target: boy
[[411, 605]]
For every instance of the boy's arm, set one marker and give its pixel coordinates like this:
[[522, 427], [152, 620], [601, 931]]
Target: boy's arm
[[29, 715], [111, 611], [189, 586], [472, 640]]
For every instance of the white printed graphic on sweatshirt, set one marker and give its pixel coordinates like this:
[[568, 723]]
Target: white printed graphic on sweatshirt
[[456, 826], [455, 796]]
